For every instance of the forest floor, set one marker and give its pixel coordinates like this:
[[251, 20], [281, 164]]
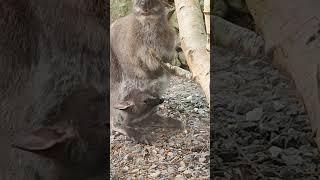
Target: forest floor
[[260, 127], [174, 154]]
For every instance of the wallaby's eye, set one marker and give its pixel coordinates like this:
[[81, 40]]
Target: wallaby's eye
[[148, 101]]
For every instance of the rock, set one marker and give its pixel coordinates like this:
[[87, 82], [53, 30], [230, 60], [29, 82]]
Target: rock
[[128, 157], [188, 173], [170, 154], [292, 160], [244, 105], [292, 109], [187, 158], [181, 169], [202, 160], [171, 170], [164, 172], [135, 171], [153, 166], [254, 115], [268, 107], [269, 172], [161, 151], [289, 172], [140, 178], [125, 169], [275, 151], [154, 151], [291, 151], [248, 126], [155, 174], [179, 177], [201, 112], [182, 164], [189, 98], [269, 126], [278, 106]]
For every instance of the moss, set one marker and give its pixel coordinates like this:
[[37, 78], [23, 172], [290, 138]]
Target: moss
[[119, 8]]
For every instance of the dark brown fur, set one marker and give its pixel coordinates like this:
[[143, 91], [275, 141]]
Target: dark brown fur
[[53, 69]]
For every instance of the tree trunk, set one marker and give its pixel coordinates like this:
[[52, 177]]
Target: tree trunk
[[193, 41], [206, 12], [292, 33]]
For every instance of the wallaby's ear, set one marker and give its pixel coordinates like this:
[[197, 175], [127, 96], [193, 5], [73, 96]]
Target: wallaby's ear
[[123, 105], [42, 139]]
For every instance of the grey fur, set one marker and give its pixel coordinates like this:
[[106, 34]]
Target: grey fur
[[144, 98], [138, 42]]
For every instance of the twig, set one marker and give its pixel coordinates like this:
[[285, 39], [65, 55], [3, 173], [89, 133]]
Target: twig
[[174, 70]]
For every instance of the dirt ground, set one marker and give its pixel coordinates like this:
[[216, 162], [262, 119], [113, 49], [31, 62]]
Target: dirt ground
[[174, 154]]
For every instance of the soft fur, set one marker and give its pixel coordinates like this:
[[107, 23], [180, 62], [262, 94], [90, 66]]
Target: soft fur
[[138, 42], [53, 68]]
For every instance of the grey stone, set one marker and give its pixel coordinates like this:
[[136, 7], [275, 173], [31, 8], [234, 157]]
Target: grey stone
[[278, 106], [255, 114], [275, 151]]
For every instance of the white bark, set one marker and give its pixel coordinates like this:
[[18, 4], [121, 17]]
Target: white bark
[[193, 41], [291, 31], [206, 12]]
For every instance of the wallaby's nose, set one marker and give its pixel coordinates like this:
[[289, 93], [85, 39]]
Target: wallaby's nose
[[161, 100], [154, 101], [158, 101], [144, 4]]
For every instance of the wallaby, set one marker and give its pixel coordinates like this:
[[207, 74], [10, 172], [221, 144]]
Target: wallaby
[[140, 43], [54, 88], [133, 102]]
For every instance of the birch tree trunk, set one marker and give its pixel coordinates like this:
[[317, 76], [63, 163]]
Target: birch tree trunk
[[206, 12], [193, 41], [292, 33]]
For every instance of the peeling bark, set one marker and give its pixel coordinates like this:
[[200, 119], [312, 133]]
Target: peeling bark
[[193, 41]]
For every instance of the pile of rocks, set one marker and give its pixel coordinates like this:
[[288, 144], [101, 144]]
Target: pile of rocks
[[179, 154], [260, 127]]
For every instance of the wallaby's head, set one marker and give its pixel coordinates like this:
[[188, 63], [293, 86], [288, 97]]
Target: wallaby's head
[[148, 7], [138, 103], [75, 138]]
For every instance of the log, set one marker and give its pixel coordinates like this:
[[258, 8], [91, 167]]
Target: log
[[292, 33], [177, 71], [239, 39], [193, 41]]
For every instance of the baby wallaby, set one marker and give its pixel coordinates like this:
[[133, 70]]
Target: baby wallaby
[[133, 108]]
